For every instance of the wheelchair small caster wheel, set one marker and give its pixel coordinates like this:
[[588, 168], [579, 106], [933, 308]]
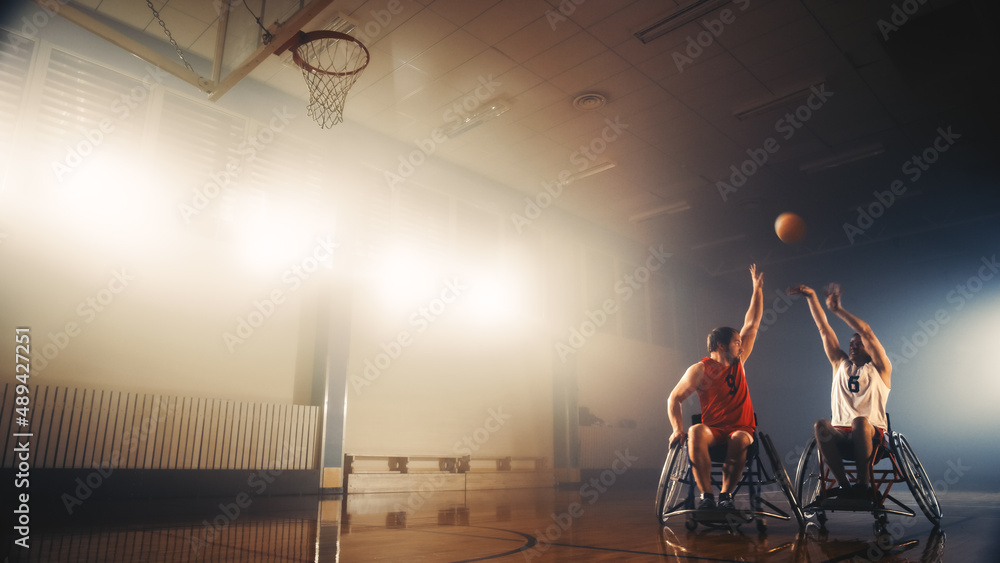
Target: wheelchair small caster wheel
[[817, 531], [690, 523], [821, 518], [882, 535], [761, 526]]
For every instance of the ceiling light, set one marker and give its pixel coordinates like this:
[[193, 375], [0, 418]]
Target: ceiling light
[[596, 169], [836, 160], [720, 242], [778, 102], [679, 19], [661, 210], [490, 111]]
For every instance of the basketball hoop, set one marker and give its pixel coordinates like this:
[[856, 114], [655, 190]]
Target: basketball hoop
[[331, 63]]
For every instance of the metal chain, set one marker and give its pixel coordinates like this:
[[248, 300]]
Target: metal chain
[[177, 48], [266, 37]]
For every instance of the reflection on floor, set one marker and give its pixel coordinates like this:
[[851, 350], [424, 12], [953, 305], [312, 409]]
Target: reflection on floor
[[510, 525]]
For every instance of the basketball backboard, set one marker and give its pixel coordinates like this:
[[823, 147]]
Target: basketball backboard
[[220, 41]]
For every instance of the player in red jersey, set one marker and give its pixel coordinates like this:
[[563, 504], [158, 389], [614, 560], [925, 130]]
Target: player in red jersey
[[726, 411]]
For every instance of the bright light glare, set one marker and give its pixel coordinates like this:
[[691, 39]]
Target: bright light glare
[[975, 331], [112, 196], [404, 278], [105, 189], [493, 297], [271, 238]]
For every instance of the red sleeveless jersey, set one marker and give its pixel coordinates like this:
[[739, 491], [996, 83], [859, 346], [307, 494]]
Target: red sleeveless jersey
[[724, 396]]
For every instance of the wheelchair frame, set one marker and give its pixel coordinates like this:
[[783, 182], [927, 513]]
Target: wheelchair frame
[[813, 478], [672, 500]]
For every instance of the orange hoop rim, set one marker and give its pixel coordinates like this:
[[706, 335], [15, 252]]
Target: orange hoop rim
[[305, 37]]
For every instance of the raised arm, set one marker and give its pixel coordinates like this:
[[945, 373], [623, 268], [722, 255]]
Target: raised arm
[[684, 388], [830, 343], [751, 322], [872, 346]]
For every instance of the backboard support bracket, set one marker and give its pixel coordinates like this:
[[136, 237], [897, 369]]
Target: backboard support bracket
[[217, 85], [71, 13]]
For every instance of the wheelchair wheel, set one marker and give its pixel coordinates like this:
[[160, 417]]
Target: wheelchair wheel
[[781, 476], [916, 479], [675, 470], [809, 479], [690, 523]]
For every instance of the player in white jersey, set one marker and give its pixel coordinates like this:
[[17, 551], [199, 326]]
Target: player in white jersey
[[861, 383]]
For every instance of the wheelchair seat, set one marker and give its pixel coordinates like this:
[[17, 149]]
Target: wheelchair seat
[[880, 452], [891, 463], [675, 495]]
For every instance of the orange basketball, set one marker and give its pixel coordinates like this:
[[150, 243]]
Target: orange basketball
[[790, 228]]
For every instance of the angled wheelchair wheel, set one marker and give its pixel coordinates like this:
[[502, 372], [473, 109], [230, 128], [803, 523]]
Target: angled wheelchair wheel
[[808, 480], [670, 492], [761, 525], [781, 476], [916, 479]]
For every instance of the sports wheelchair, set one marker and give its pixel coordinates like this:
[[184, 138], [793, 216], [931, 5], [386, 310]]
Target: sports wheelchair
[[675, 495], [889, 465]]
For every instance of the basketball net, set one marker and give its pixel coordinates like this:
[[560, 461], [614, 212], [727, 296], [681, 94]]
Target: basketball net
[[331, 63]]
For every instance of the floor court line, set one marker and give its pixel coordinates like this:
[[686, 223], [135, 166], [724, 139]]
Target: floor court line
[[634, 552]]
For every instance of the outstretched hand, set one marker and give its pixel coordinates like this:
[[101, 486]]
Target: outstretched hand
[[756, 278], [833, 297], [801, 290]]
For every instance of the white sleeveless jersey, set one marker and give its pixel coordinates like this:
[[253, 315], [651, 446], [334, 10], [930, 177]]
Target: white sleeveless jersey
[[858, 391]]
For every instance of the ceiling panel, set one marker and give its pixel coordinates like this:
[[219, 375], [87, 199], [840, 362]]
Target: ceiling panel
[[448, 54], [569, 53], [416, 35], [504, 19], [461, 12], [535, 38], [681, 135]]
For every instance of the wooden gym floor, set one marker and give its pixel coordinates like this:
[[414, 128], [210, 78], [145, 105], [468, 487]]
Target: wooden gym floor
[[617, 524]]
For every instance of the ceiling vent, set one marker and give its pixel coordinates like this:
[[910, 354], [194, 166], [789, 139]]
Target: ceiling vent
[[589, 101]]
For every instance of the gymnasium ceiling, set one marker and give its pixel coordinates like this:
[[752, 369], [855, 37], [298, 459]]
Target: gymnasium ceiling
[[894, 76]]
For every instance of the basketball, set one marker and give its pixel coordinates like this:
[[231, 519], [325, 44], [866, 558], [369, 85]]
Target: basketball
[[790, 228]]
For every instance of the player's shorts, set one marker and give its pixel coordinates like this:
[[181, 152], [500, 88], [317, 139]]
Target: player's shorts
[[719, 434], [879, 442]]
